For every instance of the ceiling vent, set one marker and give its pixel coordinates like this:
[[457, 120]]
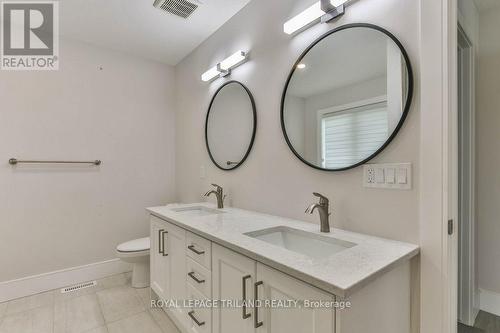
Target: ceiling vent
[[182, 8]]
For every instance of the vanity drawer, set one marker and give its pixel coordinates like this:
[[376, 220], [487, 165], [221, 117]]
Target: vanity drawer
[[199, 277], [199, 249], [199, 320]]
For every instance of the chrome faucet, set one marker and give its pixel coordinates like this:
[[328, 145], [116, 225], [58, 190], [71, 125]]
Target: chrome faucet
[[219, 193], [323, 210]]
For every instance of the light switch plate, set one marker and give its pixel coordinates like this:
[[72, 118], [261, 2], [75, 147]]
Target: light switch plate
[[203, 172], [402, 176], [379, 175], [393, 176]]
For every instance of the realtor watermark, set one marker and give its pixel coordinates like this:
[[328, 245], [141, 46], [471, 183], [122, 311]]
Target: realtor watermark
[[266, 303], [29, 35]]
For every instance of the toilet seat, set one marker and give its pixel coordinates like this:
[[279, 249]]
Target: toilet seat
[[136, 252], [135, 246]]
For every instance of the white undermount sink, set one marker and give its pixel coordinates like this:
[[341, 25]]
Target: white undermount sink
[[303, 242], [197, 211]]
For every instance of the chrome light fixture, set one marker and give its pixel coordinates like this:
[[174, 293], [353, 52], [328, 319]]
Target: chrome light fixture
[[324, 11], [225, 66]]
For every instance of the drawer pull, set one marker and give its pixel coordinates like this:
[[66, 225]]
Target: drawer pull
[[192, 248], [257, 323], [192, 276], [191, 314], [160, 241], [245, 315], [163, 243]]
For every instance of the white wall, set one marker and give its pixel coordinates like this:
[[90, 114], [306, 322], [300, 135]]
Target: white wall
[[53, 218], [295, 122], [273, 180], [488, 154], [468, 18]]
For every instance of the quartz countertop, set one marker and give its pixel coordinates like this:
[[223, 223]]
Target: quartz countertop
[[341, 274]]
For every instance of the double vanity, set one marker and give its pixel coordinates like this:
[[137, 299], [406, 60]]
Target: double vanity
[[282, 275], [344, 101]]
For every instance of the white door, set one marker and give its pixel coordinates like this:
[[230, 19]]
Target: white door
[[463, 191], [233, 278], [175, 257], [158, 260], [272, 285]]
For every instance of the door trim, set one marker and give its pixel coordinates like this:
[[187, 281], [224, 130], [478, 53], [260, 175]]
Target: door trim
[[467, 293]]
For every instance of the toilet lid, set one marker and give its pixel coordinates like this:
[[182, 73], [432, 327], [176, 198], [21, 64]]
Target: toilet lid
[[135, 245]]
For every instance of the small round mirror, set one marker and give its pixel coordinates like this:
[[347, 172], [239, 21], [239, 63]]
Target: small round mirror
[[230, 125], [346, 97]]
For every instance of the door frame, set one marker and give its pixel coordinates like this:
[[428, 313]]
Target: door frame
[[467, 293], [438, 110]]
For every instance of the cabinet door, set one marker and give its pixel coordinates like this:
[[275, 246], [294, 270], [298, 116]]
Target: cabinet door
[[159, 262], [233, 277], [174, 241], [281, 287]]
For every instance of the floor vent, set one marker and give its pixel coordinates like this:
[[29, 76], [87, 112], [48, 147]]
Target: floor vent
[[78, 287], [182, 8]]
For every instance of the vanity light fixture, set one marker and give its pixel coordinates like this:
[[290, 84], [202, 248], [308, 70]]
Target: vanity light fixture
[[211, 74], [224, 67], [323, 10]]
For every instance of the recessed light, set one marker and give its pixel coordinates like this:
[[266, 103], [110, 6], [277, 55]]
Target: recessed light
[[301, 66]]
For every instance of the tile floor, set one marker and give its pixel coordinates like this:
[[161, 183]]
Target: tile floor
[[110, 307], [485, 323]]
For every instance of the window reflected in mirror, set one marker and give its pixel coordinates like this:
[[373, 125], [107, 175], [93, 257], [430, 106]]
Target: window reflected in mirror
[[346, 97]]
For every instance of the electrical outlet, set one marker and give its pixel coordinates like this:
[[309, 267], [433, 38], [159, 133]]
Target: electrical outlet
[[395, 176], [369, 174]]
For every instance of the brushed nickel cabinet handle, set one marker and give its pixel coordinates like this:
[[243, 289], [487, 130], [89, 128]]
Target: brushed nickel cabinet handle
[[245, 315], [191, 314], [192, 248], [163, 243], [160, 246], [257, 323], [192, 276]]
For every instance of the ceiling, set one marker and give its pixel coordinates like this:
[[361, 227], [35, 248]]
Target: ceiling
[[487, 4], [138, 28], [345, 58]]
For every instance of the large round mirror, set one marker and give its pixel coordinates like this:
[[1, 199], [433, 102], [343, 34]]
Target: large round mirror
[[230, 125], [346, 97]]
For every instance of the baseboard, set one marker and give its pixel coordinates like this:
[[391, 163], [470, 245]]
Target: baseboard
[[490, 301], [58, 279]]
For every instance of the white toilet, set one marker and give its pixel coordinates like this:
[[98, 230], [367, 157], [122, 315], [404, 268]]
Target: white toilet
[[136, 252]]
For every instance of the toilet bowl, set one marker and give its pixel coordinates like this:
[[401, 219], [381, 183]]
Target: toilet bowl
[[136, 252]]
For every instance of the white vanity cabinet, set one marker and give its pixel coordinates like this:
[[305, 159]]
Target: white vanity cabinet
[[158, 261], [168, 264], [198, 256], [273, 285], [233, 278], [236, 277], [185, 266]]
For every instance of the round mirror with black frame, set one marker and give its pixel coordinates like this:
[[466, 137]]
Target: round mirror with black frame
[[346, 97], [230, 125]]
